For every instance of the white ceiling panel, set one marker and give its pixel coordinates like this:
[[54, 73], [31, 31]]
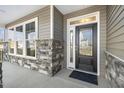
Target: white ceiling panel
[[65, 9], [9, 13]]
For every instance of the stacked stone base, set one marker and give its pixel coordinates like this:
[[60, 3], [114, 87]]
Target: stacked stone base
[[49, 57], [114, 71], [1, 75]]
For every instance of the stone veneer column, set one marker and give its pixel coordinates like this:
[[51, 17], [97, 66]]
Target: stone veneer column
[[50, 53], [114, 71], [1, 75]]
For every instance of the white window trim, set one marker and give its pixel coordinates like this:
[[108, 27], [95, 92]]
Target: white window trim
[[24, 48]]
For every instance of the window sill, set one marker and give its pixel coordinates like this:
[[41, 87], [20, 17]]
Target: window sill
[[27, 57]]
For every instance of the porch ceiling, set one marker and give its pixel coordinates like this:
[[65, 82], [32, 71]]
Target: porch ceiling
[[65, 9], [9, 13]]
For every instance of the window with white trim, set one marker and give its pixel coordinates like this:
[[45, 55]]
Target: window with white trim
[[19, 39], [22, 38], [30, 39], [11, 40]]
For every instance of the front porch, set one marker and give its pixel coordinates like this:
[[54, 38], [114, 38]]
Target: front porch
[[19, 77], [51, 41]]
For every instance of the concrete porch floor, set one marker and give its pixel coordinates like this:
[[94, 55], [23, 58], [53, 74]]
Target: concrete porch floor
[[18, 77]]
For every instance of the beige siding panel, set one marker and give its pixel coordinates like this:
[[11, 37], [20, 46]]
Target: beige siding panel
[[43, 21], [58, 24], [111, 11], [115, 31], [117, 39], [117, 45], [114, 15], [116, 27], [118, 20], [92, 9]]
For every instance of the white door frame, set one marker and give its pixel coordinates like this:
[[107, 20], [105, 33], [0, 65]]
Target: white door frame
[[71, 65]]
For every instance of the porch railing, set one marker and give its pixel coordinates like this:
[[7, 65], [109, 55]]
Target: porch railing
[[1, 59], [1, 55], [1, 52]]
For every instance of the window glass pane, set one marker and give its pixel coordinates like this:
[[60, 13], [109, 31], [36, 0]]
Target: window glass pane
[[85, 42], [11, 35], [83, 20], [30, 48], [11, 46], [71, 46], [1, 34], [1, 38], [19, 33], [30, 31], [11, 40], [19, 45]]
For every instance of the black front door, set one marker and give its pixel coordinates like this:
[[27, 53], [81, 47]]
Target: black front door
[[86, 47]]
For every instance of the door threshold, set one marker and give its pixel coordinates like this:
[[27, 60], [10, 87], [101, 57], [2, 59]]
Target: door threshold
[[86, 72]]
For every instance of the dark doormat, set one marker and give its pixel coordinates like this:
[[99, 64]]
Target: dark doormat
[[84, 77]]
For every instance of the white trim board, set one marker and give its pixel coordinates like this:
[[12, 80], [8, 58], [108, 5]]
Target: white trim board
[[51, 21], [97, 14]]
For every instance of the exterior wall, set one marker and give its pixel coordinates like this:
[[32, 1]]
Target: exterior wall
[[115, 30], [49, 52], [58, 25], [115, 45], [92, 9], [43, 22]]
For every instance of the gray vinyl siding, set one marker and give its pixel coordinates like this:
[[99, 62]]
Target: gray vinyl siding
[[58, 25], [115, 30], [43, 22], [92, 9]]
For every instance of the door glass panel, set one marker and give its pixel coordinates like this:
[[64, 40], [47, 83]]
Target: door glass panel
[[85, 42], [71, 46]]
